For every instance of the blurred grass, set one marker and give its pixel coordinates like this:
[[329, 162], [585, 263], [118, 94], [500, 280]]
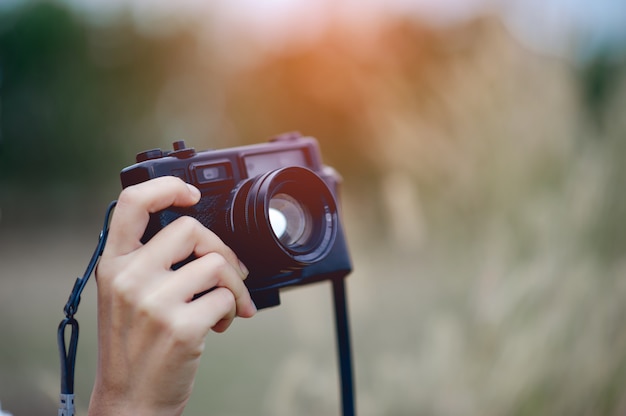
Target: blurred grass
[[483, 201]]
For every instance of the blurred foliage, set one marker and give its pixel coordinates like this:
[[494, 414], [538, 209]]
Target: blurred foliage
[[598, 79], [77, 99]]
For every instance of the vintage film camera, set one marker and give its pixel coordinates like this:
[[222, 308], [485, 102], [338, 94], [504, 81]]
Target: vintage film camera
[[275, 204]]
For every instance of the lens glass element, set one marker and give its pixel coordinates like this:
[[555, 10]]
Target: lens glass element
[[290, 220]]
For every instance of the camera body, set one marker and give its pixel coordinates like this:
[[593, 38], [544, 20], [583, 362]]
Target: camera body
[[275, 204]]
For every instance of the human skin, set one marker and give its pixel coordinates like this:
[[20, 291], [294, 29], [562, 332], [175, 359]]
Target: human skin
[[151, 333]]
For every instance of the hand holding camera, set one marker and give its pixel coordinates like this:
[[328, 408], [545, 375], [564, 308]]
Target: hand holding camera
[[151, 334]]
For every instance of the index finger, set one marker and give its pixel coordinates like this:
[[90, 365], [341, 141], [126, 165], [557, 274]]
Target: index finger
[[137, 202]]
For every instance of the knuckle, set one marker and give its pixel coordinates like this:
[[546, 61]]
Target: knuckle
[[129, 196], [189, 225], [121, 280], [218, 262], [186, 335], [227, 300], [151, 310], [123, 287], [155, 312]]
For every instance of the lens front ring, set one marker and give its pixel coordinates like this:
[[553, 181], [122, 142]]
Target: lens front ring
[[286, 218]]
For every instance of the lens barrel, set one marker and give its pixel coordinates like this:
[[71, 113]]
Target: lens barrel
[[283, 220]]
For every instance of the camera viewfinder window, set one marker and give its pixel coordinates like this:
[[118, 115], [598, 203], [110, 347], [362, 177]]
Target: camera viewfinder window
[[265, 162], [211, 173]]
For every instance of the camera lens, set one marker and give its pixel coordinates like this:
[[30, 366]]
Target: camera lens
[[283, 219], [290, 220]]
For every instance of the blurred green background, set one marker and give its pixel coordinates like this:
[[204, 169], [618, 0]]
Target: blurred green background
[[481, 145]]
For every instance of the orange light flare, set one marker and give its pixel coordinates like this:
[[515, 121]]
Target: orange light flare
[[344, 86]]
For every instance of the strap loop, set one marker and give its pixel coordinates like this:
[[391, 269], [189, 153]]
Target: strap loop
[[68, 355]]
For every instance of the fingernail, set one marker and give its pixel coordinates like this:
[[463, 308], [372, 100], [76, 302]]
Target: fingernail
[[244, 269], [195, 191]]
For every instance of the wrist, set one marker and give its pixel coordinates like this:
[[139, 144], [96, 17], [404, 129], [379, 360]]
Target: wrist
[[103, 403]]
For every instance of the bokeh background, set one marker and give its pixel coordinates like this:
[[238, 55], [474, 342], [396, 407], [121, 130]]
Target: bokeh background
[[482, 145]]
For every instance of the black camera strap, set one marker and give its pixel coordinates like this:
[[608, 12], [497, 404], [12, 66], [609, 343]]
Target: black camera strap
[[68, 355]]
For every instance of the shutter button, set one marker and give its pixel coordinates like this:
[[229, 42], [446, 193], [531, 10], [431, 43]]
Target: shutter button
[[182, 152]]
